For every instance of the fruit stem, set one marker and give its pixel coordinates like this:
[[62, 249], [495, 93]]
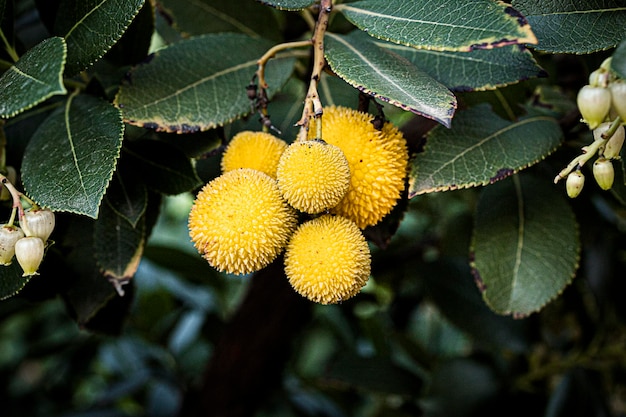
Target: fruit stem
[[262, 62], [590, 151], [580, 160], [312, 103], [12, 218]]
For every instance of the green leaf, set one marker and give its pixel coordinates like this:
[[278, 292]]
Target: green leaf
[[574, 26], [92, 27], [385, 75], [195, 17], [34, 78], [161, 166], [480, 149], [132, 48], [127, 196], [473, 71], [442, 25], [288, 4], [186, 89], [70, 159], [525, 244], [118, 246], [618, 62], [11, 280]]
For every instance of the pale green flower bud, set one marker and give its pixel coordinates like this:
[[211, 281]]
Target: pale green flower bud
[[574, 184], [29, 253], [603, 173], [594, 104]]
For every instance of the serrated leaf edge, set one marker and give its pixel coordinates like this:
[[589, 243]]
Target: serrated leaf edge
[[52, 93], [500, 175], [446, 120], [529, 38], [518, 315], [107, 47]]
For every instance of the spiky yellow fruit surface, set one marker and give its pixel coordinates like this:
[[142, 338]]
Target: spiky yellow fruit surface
[[313, 175], [378, 163], [256, 150], [239, 222], [327, 259]]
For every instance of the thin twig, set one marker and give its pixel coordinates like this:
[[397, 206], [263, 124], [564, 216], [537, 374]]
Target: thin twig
[[312, 102]]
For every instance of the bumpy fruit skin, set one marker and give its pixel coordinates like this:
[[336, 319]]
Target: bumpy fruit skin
[[313, 176], [239, 222], [614, 144], [328, 259], [594, 104], [9, 235], [255, 150], [604, 173], [378, 163], [574, 183], [40, 223], [29, 254]]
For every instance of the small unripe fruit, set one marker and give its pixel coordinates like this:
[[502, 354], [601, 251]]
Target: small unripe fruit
[[328, 259], [618, 98], [603, 173], [574, 184], [255, 150], [39, 223], [614, 144], [239, 222], [594, 104], [29, 253], [9, 235], [313, 176]]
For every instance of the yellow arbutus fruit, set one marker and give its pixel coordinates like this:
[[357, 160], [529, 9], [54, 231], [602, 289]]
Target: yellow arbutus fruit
[[239, 222], [327, 259], [256, 150], [378, 163], [313, 176]]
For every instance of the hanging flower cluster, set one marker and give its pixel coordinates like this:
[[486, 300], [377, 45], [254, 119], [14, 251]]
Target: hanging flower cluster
[[27, 239], [311, 199], [602, 105]]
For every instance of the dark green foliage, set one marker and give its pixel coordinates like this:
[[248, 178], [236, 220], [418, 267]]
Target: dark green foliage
[[491, 292]]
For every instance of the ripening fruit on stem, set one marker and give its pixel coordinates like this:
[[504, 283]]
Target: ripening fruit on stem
[[604, 173], [255, 150], [39, 223], [618, 98], [8, 236], [613, 146], [574, 183], [594, 104], [239, 222], [313, 176], [29, 253], [328, 259], [378, 163]]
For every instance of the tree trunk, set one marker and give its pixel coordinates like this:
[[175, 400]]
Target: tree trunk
[[248, 361]]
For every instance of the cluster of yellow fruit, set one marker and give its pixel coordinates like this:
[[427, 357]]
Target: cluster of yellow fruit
[[310, 198], [602, 104]]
